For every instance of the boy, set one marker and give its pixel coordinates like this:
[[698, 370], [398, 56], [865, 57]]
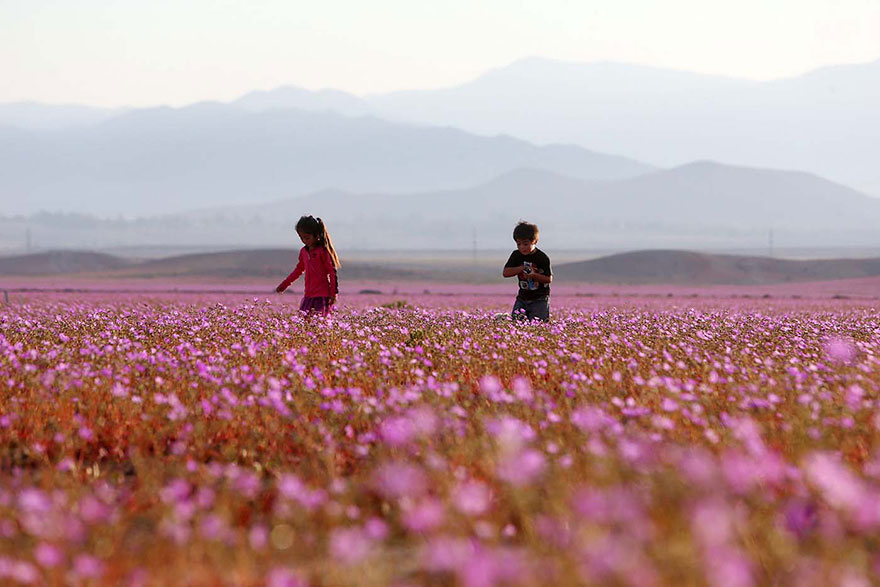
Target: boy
[[531, 266]]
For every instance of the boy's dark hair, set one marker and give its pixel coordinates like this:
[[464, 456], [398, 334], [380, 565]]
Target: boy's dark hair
[[526, 231]]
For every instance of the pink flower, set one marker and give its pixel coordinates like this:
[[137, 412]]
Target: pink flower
[[376, 529], [839, 349], [48, 555], [669, 405], [489, 384], [521, 468], [258, 537], [35, 501], [424, 516], [213, 527], [177, 490], [838, 484], [746, 431], [91, 510], [522, 389], [283, 577], [350, 545], [591, 419], [712, 522], [88, 567], [472, 498], [397, 432], [800, 516], [395, 480], [728, 567], [510, 434], [447, 554]]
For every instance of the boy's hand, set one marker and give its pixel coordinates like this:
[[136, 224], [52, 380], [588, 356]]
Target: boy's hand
[[514, 271], [280, 289], [332, 300]]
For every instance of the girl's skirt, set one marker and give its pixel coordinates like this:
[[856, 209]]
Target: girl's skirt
[[317, 305]]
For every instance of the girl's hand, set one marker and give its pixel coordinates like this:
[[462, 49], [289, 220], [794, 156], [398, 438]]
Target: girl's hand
[[332, 300], [280, 289]]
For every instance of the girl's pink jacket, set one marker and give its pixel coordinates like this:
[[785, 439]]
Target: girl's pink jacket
[[319, 270]]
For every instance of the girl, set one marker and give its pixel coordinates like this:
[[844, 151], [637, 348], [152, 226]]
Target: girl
[[319, 261]]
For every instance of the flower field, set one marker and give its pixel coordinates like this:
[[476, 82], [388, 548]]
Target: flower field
[[223, 439]]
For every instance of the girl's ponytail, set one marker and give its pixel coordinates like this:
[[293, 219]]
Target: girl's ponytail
[[315, 227], [324, 238]]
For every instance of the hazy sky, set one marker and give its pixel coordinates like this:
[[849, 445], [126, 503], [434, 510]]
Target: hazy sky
[[147, 52]]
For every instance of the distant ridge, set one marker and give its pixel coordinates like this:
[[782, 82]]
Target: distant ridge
[[262, 263], [668, 267], [690, 268], [60, 262]]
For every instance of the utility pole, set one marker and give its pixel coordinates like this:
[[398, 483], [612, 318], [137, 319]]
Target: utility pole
[[27, 240], [770, 242], [475, 245]]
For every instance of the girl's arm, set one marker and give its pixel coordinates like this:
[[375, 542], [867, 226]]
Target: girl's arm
[[297, 271], [331, 276]]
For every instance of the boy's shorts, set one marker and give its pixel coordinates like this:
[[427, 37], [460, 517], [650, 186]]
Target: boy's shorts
[[532, 309]]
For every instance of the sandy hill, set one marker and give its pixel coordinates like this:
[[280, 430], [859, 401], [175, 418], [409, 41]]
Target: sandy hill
[[684, 267], [274, 263], [55, 262], [263, 263], [641, 267]]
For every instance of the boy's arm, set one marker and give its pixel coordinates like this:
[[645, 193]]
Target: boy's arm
[[512, 271], [510, 268], [546, 276]]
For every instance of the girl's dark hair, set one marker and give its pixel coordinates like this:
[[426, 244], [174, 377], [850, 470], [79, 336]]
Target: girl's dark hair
[[316, 228]]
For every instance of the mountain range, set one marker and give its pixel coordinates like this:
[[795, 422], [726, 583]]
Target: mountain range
[[702, 204], [386, 172], [824, 121], [163, 160]]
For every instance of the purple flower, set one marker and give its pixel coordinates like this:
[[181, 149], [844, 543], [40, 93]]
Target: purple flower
[[591, 419], [35, 501], [510, 434], [397, 479], [489, 384], [472, 498], [728, 567], [397, 432], [424, 516], [521, 468], [91, 510], [283, 577], [800, 516], [838, 484], [48, 555], [839, 349], [176, 491], [350, 545], [447, 554], [88, 567], [376, 529]]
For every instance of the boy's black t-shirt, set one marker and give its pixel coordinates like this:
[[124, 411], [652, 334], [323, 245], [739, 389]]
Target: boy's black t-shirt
[[540, 264]]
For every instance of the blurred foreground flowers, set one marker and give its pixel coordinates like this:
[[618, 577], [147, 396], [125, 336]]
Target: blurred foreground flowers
[[168, 441]]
